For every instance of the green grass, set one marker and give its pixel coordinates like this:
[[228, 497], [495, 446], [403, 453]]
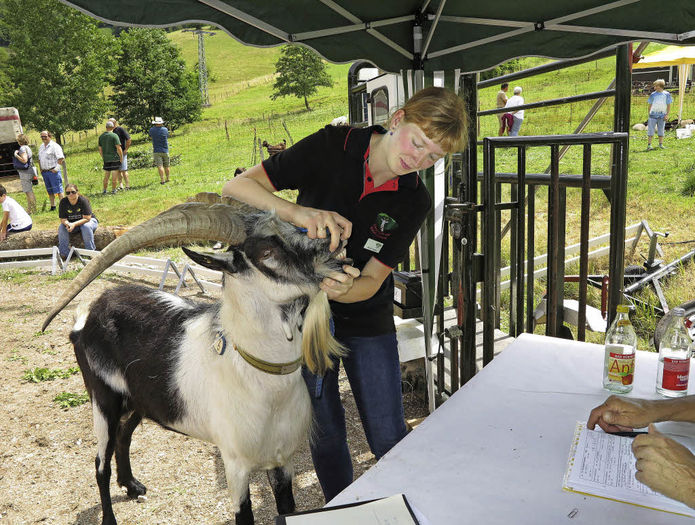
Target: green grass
[[67, 400], [38, 375]]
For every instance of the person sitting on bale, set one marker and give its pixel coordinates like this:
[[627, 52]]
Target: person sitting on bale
[[14, 218], [75, 214]]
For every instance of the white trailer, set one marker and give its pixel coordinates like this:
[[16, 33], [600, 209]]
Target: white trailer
[[10, 129]]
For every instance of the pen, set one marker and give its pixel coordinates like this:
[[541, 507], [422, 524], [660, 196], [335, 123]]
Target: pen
[[630, 434]]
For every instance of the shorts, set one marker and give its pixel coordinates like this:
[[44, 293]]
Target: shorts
[[53, 182], [657, 123], [124, 164], [25, 177], [160, 159], [112, 165]]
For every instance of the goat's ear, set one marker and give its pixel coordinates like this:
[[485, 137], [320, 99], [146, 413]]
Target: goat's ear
[[231, 261]]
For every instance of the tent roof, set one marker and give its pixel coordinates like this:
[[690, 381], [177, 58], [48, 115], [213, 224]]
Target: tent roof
[[669, 56], [466, 34]]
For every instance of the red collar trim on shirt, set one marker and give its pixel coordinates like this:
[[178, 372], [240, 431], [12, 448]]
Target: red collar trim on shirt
[[368, 182]]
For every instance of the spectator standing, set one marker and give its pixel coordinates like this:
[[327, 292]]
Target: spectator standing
[[659, 106], [14, 218], [75, 213], [160, 148], [112, 155], [518, 115], [501, 102], [125, 139], [25, 155], [50, 159]]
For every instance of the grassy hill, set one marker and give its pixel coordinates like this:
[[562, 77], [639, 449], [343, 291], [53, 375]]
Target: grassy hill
[[241, 110]]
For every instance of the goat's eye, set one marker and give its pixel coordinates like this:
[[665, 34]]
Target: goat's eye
[[266, 254]]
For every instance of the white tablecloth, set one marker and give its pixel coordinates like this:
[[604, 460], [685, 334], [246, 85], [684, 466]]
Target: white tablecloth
[[496, 451]]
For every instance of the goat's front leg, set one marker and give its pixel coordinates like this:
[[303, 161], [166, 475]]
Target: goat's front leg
[[280, 479], [237, 476]]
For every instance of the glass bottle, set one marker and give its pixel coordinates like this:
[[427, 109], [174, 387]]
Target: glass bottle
[[674, 357], [619, 362]]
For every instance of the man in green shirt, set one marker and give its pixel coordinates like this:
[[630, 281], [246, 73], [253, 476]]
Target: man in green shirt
[[112, 155]]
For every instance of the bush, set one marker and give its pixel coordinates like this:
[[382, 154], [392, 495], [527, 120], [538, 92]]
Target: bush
[[143, 159]]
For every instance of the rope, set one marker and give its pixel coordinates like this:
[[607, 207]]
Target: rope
[[692, 241]]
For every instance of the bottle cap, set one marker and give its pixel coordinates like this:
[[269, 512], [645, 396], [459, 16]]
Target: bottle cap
[[678, 312]]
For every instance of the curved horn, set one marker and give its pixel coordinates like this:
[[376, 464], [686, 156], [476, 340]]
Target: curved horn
[[189, 222]]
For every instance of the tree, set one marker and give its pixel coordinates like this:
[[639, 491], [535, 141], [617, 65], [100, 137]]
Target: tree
[[152, 80], [300, 73], [59, 65]]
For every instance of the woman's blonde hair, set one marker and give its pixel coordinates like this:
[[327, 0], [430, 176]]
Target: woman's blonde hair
[[441, 114], [22, 139]]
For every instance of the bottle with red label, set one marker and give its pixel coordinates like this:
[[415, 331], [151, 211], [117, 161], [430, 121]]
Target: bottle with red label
[[619, 362], [675, 350]]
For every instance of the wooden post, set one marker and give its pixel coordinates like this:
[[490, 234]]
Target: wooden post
[[284, 125], [225, 129]]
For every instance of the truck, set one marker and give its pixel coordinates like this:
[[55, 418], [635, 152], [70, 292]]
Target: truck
[[10, 129]]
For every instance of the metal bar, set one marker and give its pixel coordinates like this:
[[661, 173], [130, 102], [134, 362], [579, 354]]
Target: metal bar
[[530, 254], [543, 179], [514, 240], [637, 35], [359, 26], [660, 295], [554, 286], [498, 253], [469, 234], [489, 241], [247, 19], [584, 243], [521, 198], [532, 27], [545, 68], [546, 140], [619, 182], [553, 102], [665, 270], [433, 27]]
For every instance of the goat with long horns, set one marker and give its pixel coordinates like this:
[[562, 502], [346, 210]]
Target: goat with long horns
[[228, 373]]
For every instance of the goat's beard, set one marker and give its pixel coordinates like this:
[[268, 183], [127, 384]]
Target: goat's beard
[[318, 344]]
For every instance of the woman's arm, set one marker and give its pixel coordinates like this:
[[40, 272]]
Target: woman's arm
[[363, 286], [253, 187], [22, 157]]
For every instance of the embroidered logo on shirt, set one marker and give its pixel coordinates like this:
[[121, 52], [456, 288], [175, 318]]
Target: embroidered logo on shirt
[[383, 227]]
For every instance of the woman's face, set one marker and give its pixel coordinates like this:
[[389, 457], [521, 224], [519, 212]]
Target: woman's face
[[411, 149], [72, 195]]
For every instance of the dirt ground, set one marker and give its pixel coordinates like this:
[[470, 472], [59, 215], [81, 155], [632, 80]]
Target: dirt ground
[[47, 453]]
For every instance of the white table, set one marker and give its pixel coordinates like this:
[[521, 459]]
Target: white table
[[496, 451]]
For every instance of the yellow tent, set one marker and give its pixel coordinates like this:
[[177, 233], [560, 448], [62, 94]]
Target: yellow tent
[[672, 56]]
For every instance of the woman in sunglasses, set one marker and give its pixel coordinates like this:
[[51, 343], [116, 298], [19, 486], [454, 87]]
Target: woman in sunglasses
[[75, 214]]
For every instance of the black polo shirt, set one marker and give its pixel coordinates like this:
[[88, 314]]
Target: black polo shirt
[[329, 168]]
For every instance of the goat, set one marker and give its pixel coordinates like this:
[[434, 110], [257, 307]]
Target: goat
[[274, 149], [228, 373]]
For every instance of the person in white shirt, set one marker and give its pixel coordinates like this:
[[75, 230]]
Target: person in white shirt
[[516, 100], [50, 158], [14, 218]]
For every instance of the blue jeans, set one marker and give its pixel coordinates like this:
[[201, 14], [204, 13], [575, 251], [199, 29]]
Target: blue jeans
[[516, 126], [87, 230], [373, 369]]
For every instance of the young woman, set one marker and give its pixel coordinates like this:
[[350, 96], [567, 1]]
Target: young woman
[[75, 213], [360, 185]]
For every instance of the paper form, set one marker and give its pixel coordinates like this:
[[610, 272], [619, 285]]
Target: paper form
[[603, 465]]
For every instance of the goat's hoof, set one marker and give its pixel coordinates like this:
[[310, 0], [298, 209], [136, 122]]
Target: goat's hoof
[[111, 520], [134, 487]]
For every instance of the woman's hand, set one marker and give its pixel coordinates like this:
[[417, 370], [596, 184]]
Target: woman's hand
[[665, 466], [320, 223], [620, 414], [338, 283]]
